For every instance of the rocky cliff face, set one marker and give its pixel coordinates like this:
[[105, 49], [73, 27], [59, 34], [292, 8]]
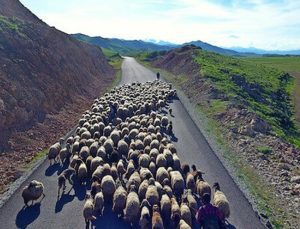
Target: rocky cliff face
[[42, 69]]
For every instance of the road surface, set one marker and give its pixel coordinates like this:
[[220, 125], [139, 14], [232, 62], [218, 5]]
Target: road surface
[[67, 212]]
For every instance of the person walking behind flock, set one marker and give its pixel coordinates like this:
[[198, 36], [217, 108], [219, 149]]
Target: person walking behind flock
[[209, 216], [157, 75]]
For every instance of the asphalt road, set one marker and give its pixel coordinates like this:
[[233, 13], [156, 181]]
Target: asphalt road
[[67, 212]]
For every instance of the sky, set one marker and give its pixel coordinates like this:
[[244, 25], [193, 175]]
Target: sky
[[265, 24]]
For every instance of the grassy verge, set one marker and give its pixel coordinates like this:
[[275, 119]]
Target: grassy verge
[[260, 193], [41, 154]]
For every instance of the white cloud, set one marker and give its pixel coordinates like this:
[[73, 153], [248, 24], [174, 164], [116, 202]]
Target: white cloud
[[258, 23]]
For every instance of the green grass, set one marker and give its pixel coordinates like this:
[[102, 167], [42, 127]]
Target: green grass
[[265, 91], [264, 150], [34, 160]]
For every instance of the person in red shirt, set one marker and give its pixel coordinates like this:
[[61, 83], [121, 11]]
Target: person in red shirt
[[209, 216]]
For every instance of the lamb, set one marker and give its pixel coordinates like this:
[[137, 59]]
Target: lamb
[[121, 169], [145, 219], [82, 172], [95, 187], [119, 199], [220, 201], [33, 191], [53, 152], [202, 186], [175, 209], [61, 180], [99, 203], [157, 222], [88, 210], [132, 209], [177, 183], [108, 186], [186, 213]]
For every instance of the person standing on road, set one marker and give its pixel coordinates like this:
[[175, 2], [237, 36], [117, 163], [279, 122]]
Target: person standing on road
[[157, 75], [209, 216]]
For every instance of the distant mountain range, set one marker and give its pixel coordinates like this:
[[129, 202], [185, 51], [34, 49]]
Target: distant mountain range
[[263, 52], [132, 47], [124, 47]]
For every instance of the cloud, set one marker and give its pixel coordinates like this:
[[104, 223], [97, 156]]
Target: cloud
[[262, 23]]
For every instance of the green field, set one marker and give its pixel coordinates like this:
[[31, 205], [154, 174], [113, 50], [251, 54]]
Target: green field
[[290, 64]]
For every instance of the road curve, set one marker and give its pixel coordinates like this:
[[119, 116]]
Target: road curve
[[67, 212]]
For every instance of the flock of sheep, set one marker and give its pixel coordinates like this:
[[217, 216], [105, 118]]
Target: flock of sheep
[[122, 145]]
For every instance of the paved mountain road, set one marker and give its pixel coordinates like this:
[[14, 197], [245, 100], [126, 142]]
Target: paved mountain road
[[67, 212]]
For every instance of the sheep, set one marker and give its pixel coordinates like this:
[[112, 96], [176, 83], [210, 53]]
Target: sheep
[[53, 152], [144, 160], [119, 199], [82, 172], [220, 201], [132, 208], [95, 187], [157, 222], [130, 169], [154, 144], [99, 203], [84, 153], [145, 219], [95, 163], [177, 183], [61, 180], [135, 180], [161, 161], [176, 162], [143, 189], [202, 186], [108, 187], [190, 182], [164, 121], [101, 152], [115, 136], [152, 195], [94, 148], [121, 169], [165, 204], [153, 153], [152, 168], [114, 171], [123, 147], [33, 191], [88, 210], [108, 146], [175, 209], [65, 154], [185, 213], [162, 174], [172, 148], [169, 157], [191, 201]]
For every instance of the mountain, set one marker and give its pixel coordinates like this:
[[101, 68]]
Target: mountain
[[42, 70], [160, 42], [212, 48], [124, 47], [264, 52]]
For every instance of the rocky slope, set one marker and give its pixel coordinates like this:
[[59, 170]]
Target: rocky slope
[[251, 138], [42, 68], [43, 72]]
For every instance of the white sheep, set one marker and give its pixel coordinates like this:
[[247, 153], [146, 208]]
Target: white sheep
[[119, 199], [145, 219], [152, 195], [53, 152], [186, 214], [144, 160], [162, 174], [161, 161], [220, 201], [177, 182], [82, 172], [165, 204], [132, 209], [202, 186], [135, 180], [123, 147], [88, 210]]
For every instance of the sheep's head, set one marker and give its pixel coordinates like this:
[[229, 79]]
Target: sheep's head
[[216, 186], [155, 208]]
